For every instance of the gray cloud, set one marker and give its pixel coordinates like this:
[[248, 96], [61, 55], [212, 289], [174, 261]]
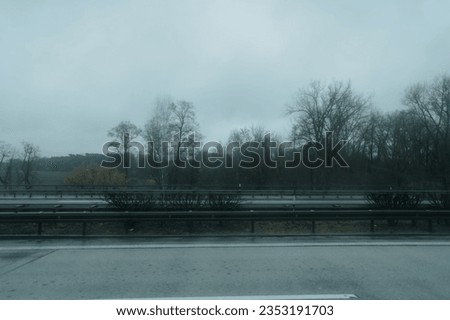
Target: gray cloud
[[71, 70]]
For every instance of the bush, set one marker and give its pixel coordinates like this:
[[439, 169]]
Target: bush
[[223, 201], [440, 200], [95, 176], [184, 201], [394, 200], [131, 201]]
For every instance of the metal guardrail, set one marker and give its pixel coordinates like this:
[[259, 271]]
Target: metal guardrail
[[87, 212], [66, 187], [50, 192], [251, 216]]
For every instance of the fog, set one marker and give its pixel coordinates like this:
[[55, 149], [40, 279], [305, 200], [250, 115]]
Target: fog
[[69, 71]]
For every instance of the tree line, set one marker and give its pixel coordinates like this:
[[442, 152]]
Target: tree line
[[404, 148], [18, 167]]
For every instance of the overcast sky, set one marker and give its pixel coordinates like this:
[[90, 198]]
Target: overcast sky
[[71, 70]]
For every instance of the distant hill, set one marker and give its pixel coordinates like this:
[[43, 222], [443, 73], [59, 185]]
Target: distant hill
[[68, 163], [52, 170]]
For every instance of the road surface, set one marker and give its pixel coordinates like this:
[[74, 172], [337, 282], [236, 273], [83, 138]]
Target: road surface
[[382, 268], [246, 203]]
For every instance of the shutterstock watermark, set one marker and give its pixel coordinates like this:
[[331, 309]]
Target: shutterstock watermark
[[212, 154]]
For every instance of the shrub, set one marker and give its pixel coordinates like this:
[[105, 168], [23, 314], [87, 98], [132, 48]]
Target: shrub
[[218, 201], [95, 176], [440, 200], [394, 200], [131, 201]]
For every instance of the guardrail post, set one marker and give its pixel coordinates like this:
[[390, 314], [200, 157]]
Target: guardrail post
[[372, 225], [84, 228], [313, 226], [252, 223], [39, 228], [190, 222]]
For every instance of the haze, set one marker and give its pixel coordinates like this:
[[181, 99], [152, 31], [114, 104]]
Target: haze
[[71, 70]]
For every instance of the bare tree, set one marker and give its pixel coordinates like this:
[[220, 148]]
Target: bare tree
[[7, 154], [185, 128], [125, 132], [159, 127], [404, 147], [256, 138], [187, 135], [157, 132], [240, 135], [174, 123], [254, 133], [430, 102], [374, 137], [184, 121], [27, 170], [317, 109], [335, 108]]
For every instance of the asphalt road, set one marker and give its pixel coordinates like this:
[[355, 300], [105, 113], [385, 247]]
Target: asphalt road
[[408, 268], [254, 203]]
